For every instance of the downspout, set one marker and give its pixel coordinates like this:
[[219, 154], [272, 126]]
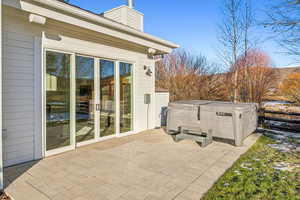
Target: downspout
[[1, 142]]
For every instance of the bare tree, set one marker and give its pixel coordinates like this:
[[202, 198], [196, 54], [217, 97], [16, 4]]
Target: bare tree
[[234, 37], [247, 24], [187, 76], [230, 35], [290, 87], [260, 78], [284, 21]]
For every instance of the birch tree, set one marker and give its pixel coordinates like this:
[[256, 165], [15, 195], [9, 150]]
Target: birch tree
[[234, 34]]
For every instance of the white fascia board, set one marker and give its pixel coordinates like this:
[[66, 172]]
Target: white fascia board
[[93, 22]]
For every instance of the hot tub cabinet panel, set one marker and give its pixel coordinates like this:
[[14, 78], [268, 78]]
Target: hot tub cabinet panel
[[227, 121]]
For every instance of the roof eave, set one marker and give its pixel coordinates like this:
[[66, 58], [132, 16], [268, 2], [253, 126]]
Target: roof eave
[[83, 14]]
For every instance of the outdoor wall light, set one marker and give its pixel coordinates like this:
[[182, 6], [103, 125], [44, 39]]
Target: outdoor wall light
[[148, 70]]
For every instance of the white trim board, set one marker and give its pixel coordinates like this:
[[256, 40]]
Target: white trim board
[[1, 142], [38, 87]]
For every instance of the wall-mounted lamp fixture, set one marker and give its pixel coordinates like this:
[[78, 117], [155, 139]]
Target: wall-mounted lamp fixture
[[148, 70]]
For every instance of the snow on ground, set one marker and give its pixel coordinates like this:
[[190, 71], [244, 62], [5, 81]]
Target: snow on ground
[[280, 106], [286, 142], [274, 103]]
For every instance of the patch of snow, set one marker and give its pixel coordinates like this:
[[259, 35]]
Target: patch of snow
[[284, 166], [295, 136], [281, 147], [237, 172], [246, 166], [274, 123], [276, 137], [284, 133], [285, 141], [272, 103]]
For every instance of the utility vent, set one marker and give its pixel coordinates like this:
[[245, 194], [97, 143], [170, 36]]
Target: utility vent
[[127, 16]]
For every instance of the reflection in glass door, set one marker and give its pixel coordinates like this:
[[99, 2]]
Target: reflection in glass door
[[57, 100], [85, 99], [125, 97], [107, 98], [81, 99]]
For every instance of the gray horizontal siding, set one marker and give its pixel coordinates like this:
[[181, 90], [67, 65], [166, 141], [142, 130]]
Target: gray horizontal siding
[[18, 96]]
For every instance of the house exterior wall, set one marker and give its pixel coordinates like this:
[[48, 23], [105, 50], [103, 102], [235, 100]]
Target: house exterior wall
[[18, 91], [23, 86]]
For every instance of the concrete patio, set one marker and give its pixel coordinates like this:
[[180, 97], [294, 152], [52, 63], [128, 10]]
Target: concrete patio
[[145, 166]]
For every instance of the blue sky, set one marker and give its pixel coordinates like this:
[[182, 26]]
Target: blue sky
[[192, 24]]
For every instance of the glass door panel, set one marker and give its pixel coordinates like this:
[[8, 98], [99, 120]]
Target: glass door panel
[[85, 99], [125, 97], [107, 98], [58, 84]]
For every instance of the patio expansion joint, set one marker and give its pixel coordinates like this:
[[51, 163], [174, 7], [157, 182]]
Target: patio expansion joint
[[37, 189], [30, 174], [195, 179]]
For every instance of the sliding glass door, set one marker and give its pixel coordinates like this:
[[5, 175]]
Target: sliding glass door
[[107, 98], [125, 97], [80, 99], [58, 100], [85, 99]]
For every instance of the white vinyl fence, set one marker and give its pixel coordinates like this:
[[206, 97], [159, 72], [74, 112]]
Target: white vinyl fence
[[161, 105]]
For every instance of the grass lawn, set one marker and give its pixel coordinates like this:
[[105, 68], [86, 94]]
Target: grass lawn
[[253, 176]]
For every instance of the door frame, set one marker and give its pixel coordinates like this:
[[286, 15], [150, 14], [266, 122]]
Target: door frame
[[72, 104], [91, 141], [97, 83], [133, 64]]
